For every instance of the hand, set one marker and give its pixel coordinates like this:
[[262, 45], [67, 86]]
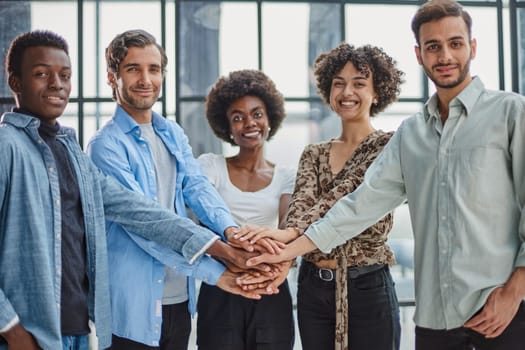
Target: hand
[[254, 234], [272, 285], [228, 282], [297, 247], [18, 338], [233, 256], [268, 245], [496, 314], [253, 279], [230, 234]]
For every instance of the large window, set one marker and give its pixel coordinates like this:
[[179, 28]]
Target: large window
[[205, 39]]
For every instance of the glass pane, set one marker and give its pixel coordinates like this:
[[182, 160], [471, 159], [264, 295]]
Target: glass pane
[[397, 41], [61, 18], [195, 124], [130, 16], [285, 46], [199, 37], [238, 47], [485, 31], [521, 49]]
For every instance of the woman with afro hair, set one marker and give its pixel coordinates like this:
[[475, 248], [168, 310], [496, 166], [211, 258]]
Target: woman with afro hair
[[245, 109], [346, 298]]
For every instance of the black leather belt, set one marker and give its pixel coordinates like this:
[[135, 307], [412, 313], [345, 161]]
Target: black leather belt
[[353, 271]]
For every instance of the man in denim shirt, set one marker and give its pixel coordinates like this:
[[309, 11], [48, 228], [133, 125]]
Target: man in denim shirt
[[53, 205], [150, 155]]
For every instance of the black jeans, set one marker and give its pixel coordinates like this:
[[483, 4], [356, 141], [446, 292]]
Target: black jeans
[[175, 334], [230, 322], [372, 306], [512, 338]]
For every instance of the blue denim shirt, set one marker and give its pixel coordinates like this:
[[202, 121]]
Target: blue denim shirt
[[119, 150], [30, 230]]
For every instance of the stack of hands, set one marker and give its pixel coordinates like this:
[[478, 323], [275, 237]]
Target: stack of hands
[[247, 256]]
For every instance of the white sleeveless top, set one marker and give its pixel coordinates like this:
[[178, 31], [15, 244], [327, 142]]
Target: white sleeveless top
[[260, 208]]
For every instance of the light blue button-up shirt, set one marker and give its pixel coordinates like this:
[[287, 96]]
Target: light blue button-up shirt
[[465, 185], [119, 151], [30, 230]]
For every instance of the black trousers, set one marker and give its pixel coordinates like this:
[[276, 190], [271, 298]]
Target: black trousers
[[175, 332], [230, 322], [372, 306], [512, 338]]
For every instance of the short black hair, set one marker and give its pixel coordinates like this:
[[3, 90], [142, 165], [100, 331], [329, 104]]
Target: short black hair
[[18, 46], [385, 75], [236, 85]]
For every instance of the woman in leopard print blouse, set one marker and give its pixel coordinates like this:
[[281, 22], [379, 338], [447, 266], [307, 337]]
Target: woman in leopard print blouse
[[346, 299]]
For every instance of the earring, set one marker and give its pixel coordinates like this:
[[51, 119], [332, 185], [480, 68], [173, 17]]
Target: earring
[[231, 137], [375, 101], [269, 129]]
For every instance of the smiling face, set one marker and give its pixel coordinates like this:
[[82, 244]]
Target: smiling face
[[352, 93], [139, 80], [445, 52], [45, 83], [249, 124]]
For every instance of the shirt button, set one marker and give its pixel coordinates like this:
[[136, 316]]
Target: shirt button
[[445, 285], [159, 281], [444, 251], [51, 170], [57, 201], [443, 184], [443, 218], [58, 235]]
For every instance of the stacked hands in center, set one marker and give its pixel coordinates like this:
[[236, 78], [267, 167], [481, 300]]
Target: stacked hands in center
[[255, 260]]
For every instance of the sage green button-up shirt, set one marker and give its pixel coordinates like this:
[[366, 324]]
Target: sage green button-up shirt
[[465, 185]]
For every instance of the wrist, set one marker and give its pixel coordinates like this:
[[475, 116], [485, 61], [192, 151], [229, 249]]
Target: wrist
[[230, 231]]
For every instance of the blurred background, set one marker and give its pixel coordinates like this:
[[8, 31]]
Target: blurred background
[[206, 39]]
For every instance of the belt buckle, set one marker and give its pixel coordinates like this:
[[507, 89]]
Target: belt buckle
[[326, 275]]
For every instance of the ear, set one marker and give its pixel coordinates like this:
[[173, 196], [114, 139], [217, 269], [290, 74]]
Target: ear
[[473, 48], [417, 51], [112, 79], [14, 84]]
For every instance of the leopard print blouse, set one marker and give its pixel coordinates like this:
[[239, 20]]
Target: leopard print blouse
[[316, 191]]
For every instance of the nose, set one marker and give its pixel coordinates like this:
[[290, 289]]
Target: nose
[[249, 122], [444, 55], [348, 90], [55, 82], [145, 78]]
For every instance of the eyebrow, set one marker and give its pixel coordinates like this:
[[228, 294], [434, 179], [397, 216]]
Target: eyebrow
[[251, 110], [47, 65], [138, 65], [433, 41]]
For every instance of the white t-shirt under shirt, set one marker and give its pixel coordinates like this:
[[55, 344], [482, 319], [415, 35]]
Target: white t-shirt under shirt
[[259, 208], [175, 283]]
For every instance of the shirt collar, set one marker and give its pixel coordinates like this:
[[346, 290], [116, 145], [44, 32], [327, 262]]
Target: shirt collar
[[466, 98], [128, 124]]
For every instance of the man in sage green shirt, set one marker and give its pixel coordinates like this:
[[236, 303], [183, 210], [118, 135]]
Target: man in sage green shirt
[[460, 163]]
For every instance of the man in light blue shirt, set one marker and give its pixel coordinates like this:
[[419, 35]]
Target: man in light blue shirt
[[151, 155], [461, 165], [53, 205]]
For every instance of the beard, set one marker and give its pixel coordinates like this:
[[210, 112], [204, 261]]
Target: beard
[[139, 102], [463, 73]]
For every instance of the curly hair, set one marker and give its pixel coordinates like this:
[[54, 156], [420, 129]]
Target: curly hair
[[437, 9], [22, 42], [236, 85], [366, 59]]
